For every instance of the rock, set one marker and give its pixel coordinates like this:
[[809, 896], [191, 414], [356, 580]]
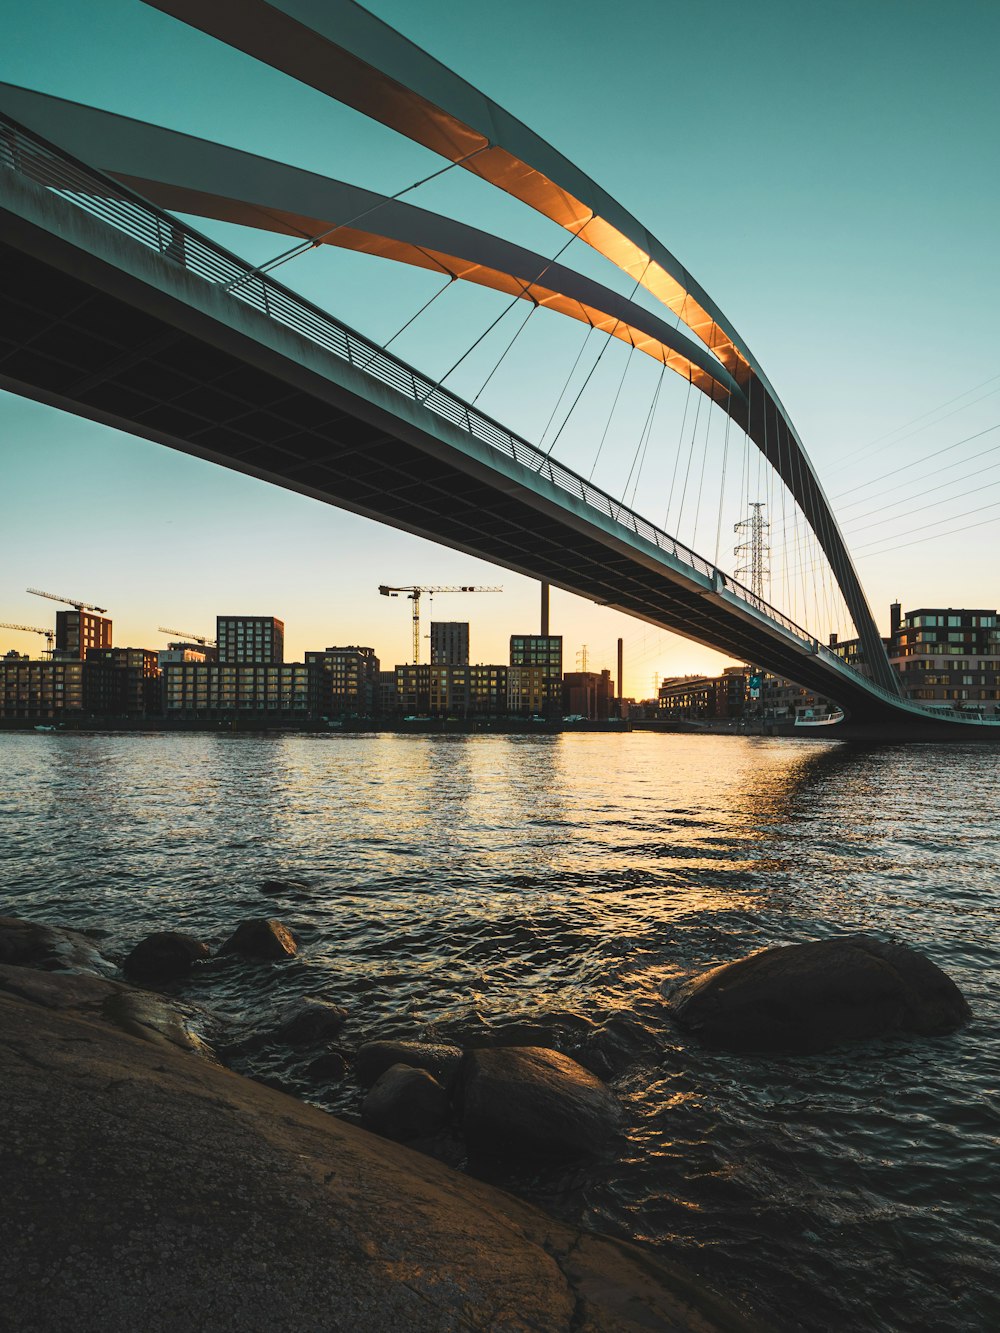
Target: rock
[[144, 1188], [274, 888], [330, 1067], [308, 1021], [808, 997], [51, 948], [137, 1012], [616, 1045], [530, 1098], [405, 1103], [439, 1059], [261, 937], [164, 956], [149, 1017]]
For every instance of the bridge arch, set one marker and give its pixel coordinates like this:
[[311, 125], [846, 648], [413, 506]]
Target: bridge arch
[[350, 55]]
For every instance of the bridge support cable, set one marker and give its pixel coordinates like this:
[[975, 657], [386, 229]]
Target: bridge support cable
[[519, 296], [701, 479], [614, 404], [313, 242], [583, 386], [426, 306], [500, 358], [677, 455], [687, 470], [644, 438], [565, 387], [722, 491]]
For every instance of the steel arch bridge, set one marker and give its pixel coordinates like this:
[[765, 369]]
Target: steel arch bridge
[[86, 191]]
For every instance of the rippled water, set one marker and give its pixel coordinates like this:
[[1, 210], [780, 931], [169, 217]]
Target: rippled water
[[456, 885]]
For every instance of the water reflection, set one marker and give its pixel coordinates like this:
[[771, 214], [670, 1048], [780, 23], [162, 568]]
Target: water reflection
[[476, 886]]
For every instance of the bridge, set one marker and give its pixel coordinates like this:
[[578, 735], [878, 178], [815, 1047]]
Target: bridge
[[117, 310]]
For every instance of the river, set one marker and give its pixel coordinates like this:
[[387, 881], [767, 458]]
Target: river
[[463, 886]]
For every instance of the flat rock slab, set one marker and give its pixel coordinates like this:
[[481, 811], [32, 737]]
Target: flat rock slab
[[809, 997], [142, 1014], [146, 1189], [531, 1099], [52, 948]]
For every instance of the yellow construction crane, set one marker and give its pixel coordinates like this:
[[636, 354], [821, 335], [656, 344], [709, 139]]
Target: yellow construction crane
[[189, 638], [69, 601], [32, 629], [413, 593]]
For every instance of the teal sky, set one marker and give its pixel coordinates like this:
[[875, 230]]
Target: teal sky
[[829, 174]]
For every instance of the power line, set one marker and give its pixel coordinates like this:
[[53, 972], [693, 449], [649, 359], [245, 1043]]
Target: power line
[[935, 453], [933, 504], [966, 527], [950, 519]]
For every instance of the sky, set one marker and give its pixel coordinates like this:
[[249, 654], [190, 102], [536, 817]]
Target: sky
[[827, 172]]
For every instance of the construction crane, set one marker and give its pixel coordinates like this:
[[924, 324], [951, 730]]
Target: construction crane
[[414, 593], [69, 601], [189, 638], [32, 629]]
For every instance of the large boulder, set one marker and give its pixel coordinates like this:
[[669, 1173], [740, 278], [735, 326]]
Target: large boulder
[[164, 956], [527, 1098], [261, 937], [406, 1103], [51, 948], [438, 1058], [808, 997]]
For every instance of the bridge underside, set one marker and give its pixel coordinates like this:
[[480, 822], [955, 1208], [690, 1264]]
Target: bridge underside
[[90, 337]]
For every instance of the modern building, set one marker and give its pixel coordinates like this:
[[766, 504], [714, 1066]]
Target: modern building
[[111, 683], [704, 698], [78, 631], [545, 651], [527, 691], [946, 657], [588, 694], [449, 643], [431, 690], [387, 696], [257, 639], [218, 691], [122, 682], [343, 682], [41, 691]]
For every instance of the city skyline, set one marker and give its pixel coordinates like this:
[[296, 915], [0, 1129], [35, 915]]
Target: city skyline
[[838, 230]]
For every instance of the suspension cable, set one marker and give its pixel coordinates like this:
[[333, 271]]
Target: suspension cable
[[607, 341], [562, 392], [687, 470], [644, 438], [677, 455], [722, 489], [525, 289], [607, 424], [311, 242], [701, 480]]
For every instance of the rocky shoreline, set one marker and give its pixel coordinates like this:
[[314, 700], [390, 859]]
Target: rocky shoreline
[[141, 1170], [148, 1186]]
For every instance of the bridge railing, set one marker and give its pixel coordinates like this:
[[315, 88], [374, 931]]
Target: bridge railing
[[129, 213]]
